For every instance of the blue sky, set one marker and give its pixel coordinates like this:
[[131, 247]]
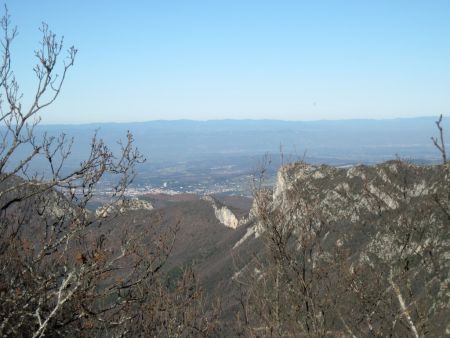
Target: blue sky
[[293, 60]]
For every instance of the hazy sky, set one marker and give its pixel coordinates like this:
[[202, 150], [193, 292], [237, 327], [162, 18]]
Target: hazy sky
[[296, 60]]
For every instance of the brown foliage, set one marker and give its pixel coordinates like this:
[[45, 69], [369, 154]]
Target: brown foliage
[[369, 258], [63, 270]]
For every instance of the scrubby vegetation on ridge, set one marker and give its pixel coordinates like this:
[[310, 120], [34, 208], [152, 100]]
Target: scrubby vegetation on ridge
[[329, 252]]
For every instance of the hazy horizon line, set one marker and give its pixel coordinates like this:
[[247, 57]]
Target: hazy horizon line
[[243, 120]]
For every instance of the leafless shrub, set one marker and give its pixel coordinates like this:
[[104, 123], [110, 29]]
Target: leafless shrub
[[285, 285], [63, 270], [359, 256], [181, 312]]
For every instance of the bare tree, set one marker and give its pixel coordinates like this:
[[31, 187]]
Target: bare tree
[[439, 141], [395, 278], [287, 289], [63, 270], [180, 312], [350, 252]]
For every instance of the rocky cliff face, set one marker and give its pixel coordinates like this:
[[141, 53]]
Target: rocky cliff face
[[123, 206], [223, 214], [388, 183], [391, 194], [354, 193], [27, 197], [388, 225]]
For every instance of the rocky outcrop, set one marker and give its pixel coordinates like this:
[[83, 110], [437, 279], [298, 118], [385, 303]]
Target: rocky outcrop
[[349, 193], [223, 214], [39, 198], [123, 206], [390, 222], [367, 207]]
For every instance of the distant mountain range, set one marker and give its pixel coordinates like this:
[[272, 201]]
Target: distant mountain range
[[352, 140], [365, 242], [222, 149]]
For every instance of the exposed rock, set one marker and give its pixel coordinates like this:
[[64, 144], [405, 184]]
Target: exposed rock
[[349, 192], [122, 206], [52, 204], [248, 234], [391, 219], [223, 214]]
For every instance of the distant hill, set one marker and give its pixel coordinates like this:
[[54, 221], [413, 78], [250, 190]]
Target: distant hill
[[374, 219], [367, 214], [210, 156], [180, 140]]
